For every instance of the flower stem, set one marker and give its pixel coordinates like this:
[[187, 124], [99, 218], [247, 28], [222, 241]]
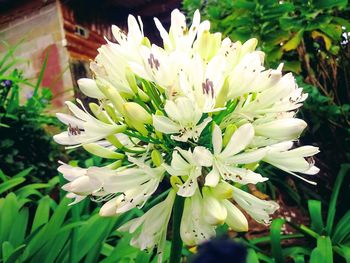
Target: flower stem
[[176, 246]]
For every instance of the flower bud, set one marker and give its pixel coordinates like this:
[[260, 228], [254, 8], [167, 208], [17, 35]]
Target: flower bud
[[235, 218], [143, 96], [114, 140], [222, 96], [115, 165], [157, 158], [229, 131], [175, 182], [214, 212], [90, 89], [284, 129], [96, 110], [112, 94], [130, 77], [101, 151], [208, 44], [83, 185], [222, 190], [145, 41], [109, 208], [136, 113]]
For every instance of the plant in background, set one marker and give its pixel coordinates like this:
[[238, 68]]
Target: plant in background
[[196, 116], [325, 242], [24, 141]]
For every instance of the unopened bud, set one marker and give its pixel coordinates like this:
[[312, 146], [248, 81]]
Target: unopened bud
[[130, 77], [112, 94], [96, 110], [222, 190], [157, 158], [136, 113], [90, 88], [230, 130], [101, 151], [208, 44], [215, 213]]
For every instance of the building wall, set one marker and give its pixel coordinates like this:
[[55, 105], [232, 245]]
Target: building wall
[[40, 28]]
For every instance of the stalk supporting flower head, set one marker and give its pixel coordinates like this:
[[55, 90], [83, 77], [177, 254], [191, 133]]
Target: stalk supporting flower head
[[199, 113]]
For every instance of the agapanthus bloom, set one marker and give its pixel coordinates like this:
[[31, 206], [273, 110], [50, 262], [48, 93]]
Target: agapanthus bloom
[[200, 113]]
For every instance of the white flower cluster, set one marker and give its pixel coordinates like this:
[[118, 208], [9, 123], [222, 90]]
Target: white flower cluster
[[199, 112]]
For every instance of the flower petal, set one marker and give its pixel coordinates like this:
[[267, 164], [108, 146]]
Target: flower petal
[[212, 178], [165, 125], [217, 139], [247, 157], [235, 219], [239, 140], [202, 156]]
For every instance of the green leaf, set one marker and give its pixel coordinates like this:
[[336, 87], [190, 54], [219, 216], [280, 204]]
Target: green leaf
[[252, 257], [323, 252], [342, 230], [316, 215], [275, 234], [23, 173], [10, 184], [294, 42], [30, 189], [122, 250], [42, 213], [330, 3], [7, 249], [333, 202], [293, 66], [344, 251], [48, 231], [9, 210], [19, 227], [16, 253], [52, 248]]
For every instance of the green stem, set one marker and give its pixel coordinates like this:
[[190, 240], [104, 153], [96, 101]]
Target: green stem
[[176, 247]]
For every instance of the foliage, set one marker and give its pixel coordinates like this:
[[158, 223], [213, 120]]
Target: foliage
[[25, 142], [325, 241], [34, 227]]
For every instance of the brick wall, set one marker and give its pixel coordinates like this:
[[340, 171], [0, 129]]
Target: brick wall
[[40, 28]]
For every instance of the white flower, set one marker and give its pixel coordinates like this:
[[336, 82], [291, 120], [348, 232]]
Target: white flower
[[225, 162], [235, 219], [188, 165], [280, 129], [271, 94], [83, 182], [183, 119], [194, 229], [90, 88], [84, 128], [136, 185], [258, 209], [153, 226], [128, 44], [202, 82], [179, 36], [112, 64], [158, 66], [214, 212], [292, 161]]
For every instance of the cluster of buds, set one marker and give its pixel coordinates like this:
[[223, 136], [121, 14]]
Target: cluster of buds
[[201, 112]]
